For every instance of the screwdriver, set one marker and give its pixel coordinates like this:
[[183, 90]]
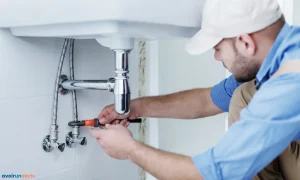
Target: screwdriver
[[95, 122]]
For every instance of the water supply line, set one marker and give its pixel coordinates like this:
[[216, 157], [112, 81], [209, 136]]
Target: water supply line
[[50, 141], [71, 63], [72, 138]]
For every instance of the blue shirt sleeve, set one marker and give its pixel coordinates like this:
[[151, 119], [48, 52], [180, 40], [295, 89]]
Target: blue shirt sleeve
[[221, 93], [267, 126]]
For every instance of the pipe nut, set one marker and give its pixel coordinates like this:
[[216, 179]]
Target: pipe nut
[[47, 145]]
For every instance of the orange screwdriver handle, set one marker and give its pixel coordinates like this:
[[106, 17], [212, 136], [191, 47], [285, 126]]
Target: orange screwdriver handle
[[95, 122], [92, 122]]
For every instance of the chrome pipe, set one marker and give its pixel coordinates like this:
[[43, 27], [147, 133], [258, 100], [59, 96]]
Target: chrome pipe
[[88, 84], [121, 89]]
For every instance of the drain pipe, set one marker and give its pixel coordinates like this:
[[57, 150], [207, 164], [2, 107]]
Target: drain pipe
[[119, 85], [50, 141]]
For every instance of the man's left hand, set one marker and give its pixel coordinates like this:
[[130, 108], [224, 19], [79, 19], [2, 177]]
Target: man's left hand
[[116, 140]]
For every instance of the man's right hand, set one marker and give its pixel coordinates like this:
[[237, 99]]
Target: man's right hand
[[189, 104], [109, 116]]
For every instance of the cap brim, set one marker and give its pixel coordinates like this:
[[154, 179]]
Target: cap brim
[[201, 42]]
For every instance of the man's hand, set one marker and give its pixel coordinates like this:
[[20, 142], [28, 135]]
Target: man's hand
[[116, 140], [109, 116]]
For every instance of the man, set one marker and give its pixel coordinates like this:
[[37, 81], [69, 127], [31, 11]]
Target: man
[[252, 40], [287, 165]]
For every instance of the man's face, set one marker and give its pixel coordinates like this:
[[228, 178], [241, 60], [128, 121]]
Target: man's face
[[243, 68]]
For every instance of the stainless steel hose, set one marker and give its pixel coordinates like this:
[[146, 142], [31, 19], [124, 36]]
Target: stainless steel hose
[[71, 61], [61, 61]]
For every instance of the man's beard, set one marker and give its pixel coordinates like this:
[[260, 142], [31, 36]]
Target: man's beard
[[247, 75], [244, 69]]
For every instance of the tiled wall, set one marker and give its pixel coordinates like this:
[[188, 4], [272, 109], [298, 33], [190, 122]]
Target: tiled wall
[[27, 72]]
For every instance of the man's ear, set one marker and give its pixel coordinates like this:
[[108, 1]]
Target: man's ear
[[245, 45]]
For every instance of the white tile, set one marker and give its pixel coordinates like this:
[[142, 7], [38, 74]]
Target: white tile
[[28, 68], [27, 122], [33, 66], [4, 71], [92, 61], [68, 174], [4, 66]]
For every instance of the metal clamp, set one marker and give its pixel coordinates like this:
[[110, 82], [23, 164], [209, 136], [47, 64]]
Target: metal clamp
[[62, 79]]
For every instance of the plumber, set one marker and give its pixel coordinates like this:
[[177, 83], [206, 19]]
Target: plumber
[[253, 41]]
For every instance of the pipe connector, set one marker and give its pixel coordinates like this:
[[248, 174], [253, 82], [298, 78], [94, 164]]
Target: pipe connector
[[49, 145], [54, 133], [73, 138], [50, 141]]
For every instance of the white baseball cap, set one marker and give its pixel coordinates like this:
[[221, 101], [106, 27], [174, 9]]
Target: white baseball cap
[[231, 18]]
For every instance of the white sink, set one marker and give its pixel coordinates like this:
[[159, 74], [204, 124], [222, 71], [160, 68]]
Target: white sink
[[97, 19]]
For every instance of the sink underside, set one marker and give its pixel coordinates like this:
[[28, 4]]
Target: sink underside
[[153, 19], [94, 30]]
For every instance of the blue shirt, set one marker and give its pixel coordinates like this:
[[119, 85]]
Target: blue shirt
[[267, 126], [221, 93]]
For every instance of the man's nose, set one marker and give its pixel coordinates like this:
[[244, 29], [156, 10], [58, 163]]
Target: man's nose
[[217, 56]]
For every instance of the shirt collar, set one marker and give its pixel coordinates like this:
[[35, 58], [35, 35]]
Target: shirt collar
[[262, 74]]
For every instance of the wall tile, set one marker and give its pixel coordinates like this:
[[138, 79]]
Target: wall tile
[[70, 174], [27, 121], [28, 67]]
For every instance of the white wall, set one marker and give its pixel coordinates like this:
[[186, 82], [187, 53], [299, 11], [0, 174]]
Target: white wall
[[180, 71], [296, 12], [287, 9], [27, 72]]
